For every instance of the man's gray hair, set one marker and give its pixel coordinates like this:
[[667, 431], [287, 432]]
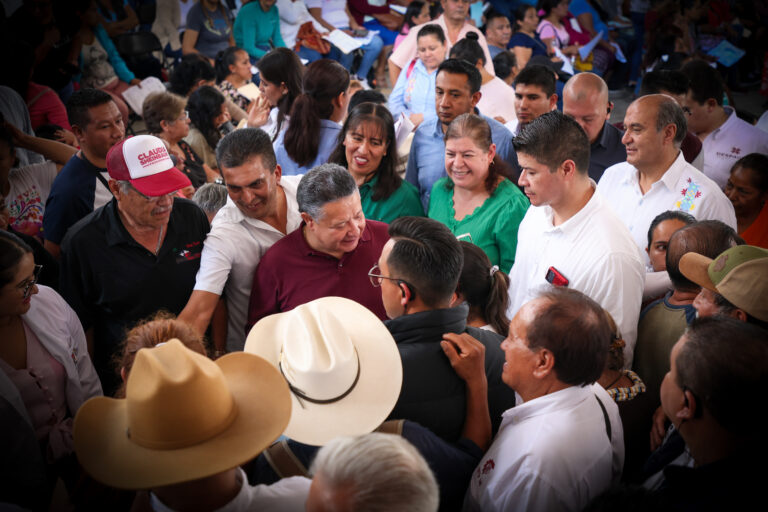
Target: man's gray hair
[[377, 472], [211, 197], [671, 113], [239, 146], [125, 186], [323, 184]]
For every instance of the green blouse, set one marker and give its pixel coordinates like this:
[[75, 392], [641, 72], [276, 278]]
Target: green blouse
[[493, 224], [403, 202]]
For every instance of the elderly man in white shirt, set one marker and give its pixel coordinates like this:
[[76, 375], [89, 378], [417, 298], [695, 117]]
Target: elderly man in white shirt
[[656, 178], [563, 443], [569, 236], [260, 210]]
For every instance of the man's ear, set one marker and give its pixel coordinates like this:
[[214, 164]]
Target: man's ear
[[307, 219], [456, 299], [114, 187], [553, 102], [405, 293], [690, 407], [569, 168], [544, 363], [476, 98], [78, 133], [739, 314]]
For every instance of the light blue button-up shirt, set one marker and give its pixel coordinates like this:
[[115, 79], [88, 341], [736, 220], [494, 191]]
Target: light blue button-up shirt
[[426, 162]]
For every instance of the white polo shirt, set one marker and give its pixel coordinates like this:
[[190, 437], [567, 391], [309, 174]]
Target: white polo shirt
[[232, 249], [682, 187], [593, 250], [734, 139], [551, 453]]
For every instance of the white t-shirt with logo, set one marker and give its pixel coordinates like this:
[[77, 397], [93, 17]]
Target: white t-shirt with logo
[[734, 139]]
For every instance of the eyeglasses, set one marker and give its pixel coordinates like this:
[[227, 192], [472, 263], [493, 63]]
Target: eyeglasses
[[184, 116], [376, 278], [152, 199], [26, 285]]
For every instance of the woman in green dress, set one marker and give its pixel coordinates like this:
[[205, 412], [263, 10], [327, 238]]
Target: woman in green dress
[[476, 200], [367, 148]]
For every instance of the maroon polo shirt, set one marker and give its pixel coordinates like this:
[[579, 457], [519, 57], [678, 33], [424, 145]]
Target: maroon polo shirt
[[291, 273]]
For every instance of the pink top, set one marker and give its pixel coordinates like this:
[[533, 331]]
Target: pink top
[[406, 52], [547, 30], [42, 387], [401, 37], [45, 107]]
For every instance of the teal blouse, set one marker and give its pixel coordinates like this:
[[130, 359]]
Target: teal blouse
[[493, 224], [403, 202]]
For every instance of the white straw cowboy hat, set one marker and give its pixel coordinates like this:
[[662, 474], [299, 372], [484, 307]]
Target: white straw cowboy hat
[[184, 417], [339, 360]]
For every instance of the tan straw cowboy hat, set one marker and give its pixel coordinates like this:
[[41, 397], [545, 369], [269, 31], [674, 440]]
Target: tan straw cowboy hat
[[340, 362], [184, 417]]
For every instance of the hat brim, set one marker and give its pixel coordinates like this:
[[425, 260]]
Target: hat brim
[[161, 183], [373, 397], [106, 452], [695, 267]]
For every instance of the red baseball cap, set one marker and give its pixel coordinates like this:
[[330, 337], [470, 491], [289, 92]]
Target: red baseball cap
[[143, 160]]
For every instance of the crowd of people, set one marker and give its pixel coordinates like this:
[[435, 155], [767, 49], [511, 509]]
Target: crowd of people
[[428, 273]]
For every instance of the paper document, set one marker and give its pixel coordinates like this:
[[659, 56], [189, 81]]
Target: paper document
[[135, 95], [567, 64], [585, 50], [403, 127], [343, 41], [399, 8], [619, 54], [250, 91], [726, 53]]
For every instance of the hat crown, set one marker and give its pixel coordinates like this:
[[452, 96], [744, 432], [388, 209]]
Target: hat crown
[[176, 398], [318, 356]]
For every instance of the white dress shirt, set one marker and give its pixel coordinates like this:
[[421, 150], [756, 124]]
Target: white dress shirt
[[551, 454], [593, 250], [231, 252], [734, 139], [682, 187]]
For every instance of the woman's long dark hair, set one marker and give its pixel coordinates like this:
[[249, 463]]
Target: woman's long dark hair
[[323, 81], [282, 66], [413, 10], [12, 249], [484, 287], [389, 180], [204, 105]]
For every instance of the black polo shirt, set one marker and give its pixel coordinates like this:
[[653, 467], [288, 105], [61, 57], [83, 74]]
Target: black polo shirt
[[606, 151], [111, 281]]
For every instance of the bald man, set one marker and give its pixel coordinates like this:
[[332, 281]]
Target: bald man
[[585, 99], [656, 177]]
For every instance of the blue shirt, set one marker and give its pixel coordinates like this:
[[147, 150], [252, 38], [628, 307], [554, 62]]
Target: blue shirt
[[328, 136], [75, 193], [213, 30], [414, 94], [578, 7], [426, 162]]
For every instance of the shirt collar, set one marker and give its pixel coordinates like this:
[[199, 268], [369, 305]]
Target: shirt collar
[[602, 140], [568, 397], [671, 177], [372, 183], [732, 119], [576, 220]]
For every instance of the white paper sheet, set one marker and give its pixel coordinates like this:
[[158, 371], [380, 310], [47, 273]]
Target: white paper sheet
[[619, 54], [135, 95], [403, 127], [585, 50], [567, 65], [343, 41], [250, 91]]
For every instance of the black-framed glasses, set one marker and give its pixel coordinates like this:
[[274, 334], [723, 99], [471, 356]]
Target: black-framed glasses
[[26, 285]]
